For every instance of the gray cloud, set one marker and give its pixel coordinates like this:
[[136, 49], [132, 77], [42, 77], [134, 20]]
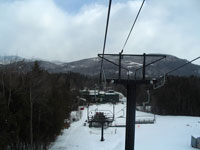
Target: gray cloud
[[41, 29]]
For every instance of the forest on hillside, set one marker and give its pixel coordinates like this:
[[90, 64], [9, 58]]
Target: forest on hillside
[[33, 106], [179, 96]]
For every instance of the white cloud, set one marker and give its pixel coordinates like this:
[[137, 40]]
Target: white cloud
[[39, 28]]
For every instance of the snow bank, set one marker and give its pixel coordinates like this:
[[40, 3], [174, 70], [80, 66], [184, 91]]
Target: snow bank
[[76, 115]]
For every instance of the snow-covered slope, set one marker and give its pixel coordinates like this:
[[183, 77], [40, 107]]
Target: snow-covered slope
[[168, 133]]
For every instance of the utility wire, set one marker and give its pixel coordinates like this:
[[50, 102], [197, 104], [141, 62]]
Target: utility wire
[[133, 26], [104, 45]]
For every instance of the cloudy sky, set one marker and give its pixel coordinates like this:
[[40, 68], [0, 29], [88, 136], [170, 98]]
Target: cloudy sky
[[68, 30]]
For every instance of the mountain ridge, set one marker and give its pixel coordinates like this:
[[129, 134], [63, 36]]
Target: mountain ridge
[[91, 66]]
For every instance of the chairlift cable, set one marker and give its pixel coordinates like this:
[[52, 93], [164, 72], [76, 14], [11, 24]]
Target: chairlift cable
[[104, 45], [182, 65], [155, 61], [133, 26], [162, 84]]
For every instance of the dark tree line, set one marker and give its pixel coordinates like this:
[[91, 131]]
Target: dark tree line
[[34, 104], [179, 96]]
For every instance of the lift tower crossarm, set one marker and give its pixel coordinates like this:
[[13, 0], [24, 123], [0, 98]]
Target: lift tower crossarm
[[131, 96]]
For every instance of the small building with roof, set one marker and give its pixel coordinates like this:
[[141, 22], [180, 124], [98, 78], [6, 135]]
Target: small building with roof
[[94, 96]]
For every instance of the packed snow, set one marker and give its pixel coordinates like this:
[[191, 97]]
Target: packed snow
[[131, 63], [167, 133]]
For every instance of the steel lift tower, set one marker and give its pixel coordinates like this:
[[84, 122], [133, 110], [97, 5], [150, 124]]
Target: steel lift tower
[[131, 86]]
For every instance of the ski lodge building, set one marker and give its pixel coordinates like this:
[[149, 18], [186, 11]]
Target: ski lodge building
[[94, 96]]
